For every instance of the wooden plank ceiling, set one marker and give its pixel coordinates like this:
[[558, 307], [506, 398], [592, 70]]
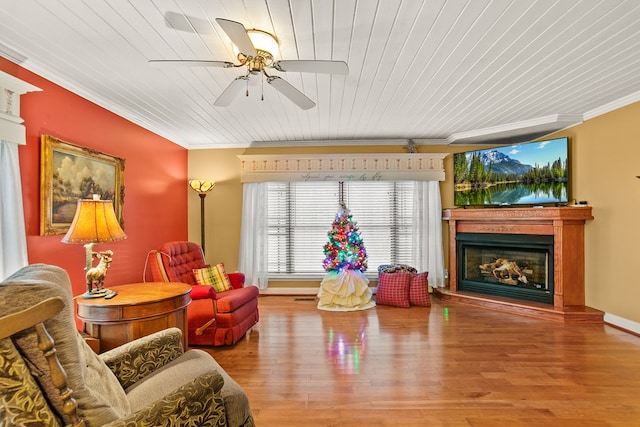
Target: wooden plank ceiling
[[435, 71]]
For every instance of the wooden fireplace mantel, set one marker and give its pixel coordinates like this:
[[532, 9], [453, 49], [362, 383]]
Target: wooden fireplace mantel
[[565, 224]]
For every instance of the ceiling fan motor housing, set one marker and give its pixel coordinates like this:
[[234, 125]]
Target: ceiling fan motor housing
[[266, 47], [256, 64]]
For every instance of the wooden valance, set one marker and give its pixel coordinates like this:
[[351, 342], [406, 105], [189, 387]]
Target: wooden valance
[[343, 167]]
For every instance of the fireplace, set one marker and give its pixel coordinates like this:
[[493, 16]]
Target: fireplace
[[527, 261], [509, 265]]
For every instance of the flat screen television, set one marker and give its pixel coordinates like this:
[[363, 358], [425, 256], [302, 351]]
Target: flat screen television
[[532, 173]]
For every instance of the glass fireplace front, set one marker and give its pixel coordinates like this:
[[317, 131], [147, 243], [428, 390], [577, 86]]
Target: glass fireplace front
[[510, 265]]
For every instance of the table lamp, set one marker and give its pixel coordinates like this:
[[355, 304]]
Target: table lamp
[[95, 222], [202, 187]]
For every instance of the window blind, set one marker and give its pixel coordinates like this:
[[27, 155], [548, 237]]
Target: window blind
[[301, 213]]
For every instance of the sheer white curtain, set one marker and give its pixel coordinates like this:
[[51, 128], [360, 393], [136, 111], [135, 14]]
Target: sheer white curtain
[[13, 238], [253, 258], [427, 249], [427, 245]]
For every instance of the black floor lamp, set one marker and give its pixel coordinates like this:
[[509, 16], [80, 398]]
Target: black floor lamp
[[202, 187]]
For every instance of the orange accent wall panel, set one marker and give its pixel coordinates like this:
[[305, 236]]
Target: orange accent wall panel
[[155, 179]]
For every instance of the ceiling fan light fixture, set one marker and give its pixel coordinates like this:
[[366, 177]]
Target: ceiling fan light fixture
[[265, 44]]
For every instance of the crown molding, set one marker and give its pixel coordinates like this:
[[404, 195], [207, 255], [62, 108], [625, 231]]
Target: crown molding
[[618, 103], [512, 133]]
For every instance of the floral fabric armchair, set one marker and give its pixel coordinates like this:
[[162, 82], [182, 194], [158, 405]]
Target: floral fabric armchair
[[50, 376]]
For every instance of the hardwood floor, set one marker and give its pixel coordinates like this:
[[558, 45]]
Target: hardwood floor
[[448, 365]]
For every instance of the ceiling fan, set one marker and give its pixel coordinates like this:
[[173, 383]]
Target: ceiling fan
[[256, 50]]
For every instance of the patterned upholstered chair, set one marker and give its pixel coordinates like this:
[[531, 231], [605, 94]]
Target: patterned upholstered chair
[[214, 318], [51, 377]]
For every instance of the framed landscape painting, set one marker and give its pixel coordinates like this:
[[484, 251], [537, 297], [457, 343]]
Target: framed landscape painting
[[69, 173]]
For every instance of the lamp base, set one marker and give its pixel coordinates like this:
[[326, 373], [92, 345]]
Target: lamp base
[[99, 293]]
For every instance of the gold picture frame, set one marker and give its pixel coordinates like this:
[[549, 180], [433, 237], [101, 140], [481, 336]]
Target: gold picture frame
[[68, 173]]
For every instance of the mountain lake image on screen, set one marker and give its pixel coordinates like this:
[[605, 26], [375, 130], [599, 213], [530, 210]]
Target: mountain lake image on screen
[[532, 173]]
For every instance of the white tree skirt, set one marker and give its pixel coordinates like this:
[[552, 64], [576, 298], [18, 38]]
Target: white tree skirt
[[345, 291]]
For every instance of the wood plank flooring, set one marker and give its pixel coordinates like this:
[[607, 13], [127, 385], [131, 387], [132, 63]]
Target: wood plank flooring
[[448, 365]]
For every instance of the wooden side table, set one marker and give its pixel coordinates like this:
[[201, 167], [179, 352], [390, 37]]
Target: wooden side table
[[139, 309]]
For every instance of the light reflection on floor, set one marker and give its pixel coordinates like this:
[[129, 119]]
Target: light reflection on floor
[[346, 345], [346, 351]]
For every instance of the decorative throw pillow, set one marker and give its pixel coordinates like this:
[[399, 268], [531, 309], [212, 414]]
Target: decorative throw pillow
[[393, 289], [214, 276], [419, 290]]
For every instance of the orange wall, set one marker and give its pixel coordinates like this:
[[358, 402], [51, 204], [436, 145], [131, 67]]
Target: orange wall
[[155, 204]]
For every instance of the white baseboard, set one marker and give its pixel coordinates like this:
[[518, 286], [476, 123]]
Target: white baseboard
[[290, 291], [296, 291], [622, 323]]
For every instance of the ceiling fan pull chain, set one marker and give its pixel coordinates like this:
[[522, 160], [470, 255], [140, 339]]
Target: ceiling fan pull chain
[[247, 91], [262, 88]]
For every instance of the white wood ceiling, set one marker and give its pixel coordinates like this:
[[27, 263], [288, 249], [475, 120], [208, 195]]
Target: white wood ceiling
[[435, 71]]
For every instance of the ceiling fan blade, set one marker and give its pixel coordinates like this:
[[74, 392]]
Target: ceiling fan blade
[[190, 63], [288, 90], [231, 92], [304, 66], [238, 35], [190, 24]]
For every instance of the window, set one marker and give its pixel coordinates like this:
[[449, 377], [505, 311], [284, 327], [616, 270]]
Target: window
[[301, 213]]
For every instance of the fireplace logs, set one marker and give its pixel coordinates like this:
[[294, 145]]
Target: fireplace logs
[[504, 271]]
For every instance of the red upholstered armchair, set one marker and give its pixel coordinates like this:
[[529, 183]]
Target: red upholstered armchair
[[214, 318]]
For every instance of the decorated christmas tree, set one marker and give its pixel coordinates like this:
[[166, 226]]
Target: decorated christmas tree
[[344, 287], [344, 250]]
